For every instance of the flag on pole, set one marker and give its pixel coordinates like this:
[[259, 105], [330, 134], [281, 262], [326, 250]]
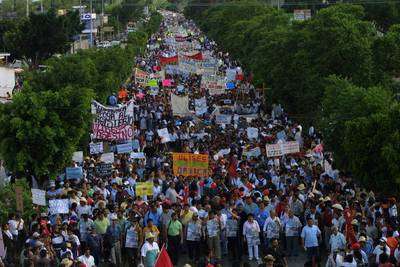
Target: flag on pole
[[163, 259]]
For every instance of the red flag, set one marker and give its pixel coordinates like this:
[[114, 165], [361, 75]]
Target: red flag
[[168, 60], [163, 259]]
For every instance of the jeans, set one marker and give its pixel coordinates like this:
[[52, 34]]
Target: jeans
[[173, 248], [193, 249], [292, 245], [116, 256], [214, 245], [233, 247]]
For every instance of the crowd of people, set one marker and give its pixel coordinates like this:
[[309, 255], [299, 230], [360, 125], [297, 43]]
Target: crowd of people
[[249, 209]]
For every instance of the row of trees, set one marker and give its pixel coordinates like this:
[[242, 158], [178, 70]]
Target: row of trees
[[335, 70], [40, 36], [50, 119]]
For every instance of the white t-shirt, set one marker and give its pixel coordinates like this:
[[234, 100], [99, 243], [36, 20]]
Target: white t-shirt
[[147, 247], [310, 235], [88, 261], [378, 251]]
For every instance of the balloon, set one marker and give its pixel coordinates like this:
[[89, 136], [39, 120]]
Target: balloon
[[213, 185]]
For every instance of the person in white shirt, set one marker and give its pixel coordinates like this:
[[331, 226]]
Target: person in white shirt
[[15, 224], [83, 208], [381, 248], [87, 259], [292, 227], [309, 239], [150, 250], [251, 233], [337, 241], [271, 228]]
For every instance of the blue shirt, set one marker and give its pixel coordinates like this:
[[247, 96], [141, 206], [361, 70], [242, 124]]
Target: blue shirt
[[310, 235], [156, 217], [261, 216], [114, 233]]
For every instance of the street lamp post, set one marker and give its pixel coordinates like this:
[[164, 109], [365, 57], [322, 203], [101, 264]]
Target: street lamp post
[[91, 23]]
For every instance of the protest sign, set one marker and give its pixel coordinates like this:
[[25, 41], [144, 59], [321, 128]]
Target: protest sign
[[230, 85], [223, 119], [96, 148], [124, 148], [180, 105], [302, 14], [137, 155], [144, 188], [200, 106], [252, 133], [152, 83], [168, 60], [187, 65], [255, 152], [112, 123], [214, 84], [280, 149], [141, 77], [231, 75], [167, 83], [164, 135], [38, 197], [188, 164], [107, 157], [103, 169], [172, 69], [18, 197], [58, 206], [77, 156], [73, 172]]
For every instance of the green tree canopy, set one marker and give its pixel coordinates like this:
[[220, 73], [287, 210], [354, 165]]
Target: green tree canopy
[[40, 130], [42, 35]]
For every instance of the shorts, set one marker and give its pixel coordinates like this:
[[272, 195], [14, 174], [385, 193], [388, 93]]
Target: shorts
[[312, 252]]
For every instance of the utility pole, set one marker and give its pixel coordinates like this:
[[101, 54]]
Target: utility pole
[[91, 23]]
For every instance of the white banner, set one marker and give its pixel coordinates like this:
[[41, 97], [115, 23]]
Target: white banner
[[96, 148], [57, 206], [38, 197], [112, 123], [77, 156], [180, 105], [164, 135], [107, 157], [280, 149], [200, 106]]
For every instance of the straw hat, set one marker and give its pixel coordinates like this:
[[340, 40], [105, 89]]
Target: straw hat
[[301, 187], [149, 235]]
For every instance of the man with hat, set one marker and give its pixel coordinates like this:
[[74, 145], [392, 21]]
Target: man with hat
[[149, 251]]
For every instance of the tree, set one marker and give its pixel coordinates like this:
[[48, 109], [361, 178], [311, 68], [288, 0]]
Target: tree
[[41, 35], [372, 145], [5, 26], [387, 53], [343, 105], [41, 130], [137, 38]]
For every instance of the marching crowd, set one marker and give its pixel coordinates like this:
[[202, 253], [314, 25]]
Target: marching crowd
[[249, 209]]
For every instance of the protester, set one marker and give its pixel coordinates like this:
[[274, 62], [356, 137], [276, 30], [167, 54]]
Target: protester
[[190, 158]]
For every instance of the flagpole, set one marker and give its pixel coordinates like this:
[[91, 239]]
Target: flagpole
[[160, 252]]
